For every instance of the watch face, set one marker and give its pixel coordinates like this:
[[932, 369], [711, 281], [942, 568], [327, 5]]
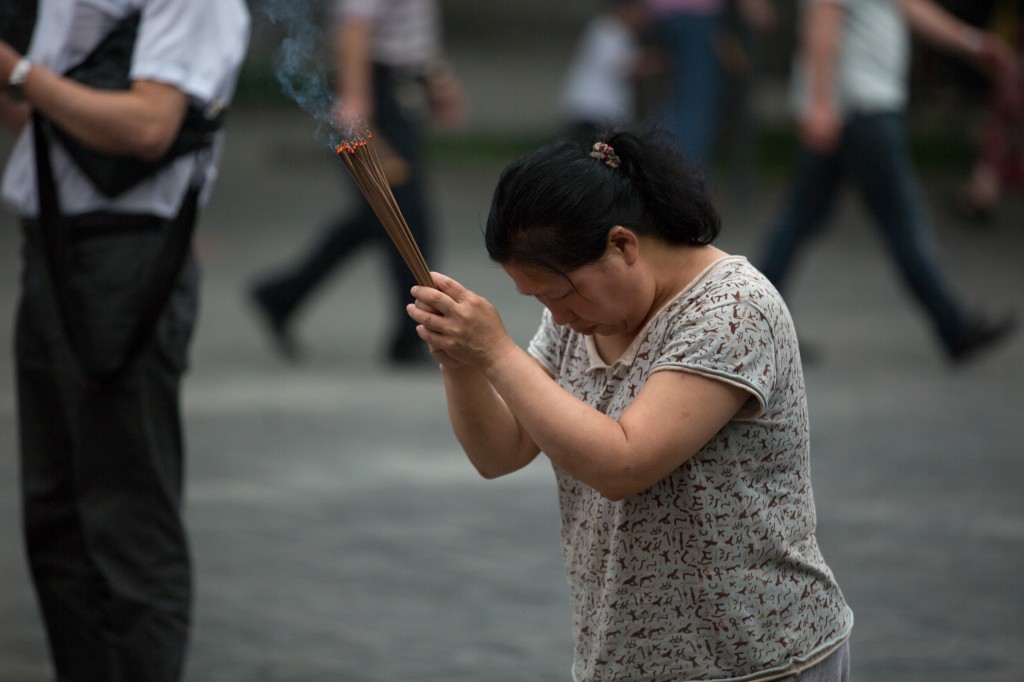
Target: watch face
[[17, 78]]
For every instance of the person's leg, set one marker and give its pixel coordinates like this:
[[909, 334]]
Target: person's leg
[[401, 125], [812, 195], [279, 297], [68, 587], [131, 478], [880, 166], [695, 87], [282, 295]]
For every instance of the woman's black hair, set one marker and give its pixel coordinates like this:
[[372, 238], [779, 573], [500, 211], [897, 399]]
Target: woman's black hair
[[554, 207]]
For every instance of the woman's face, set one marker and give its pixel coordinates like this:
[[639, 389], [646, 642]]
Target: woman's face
[[596, 299]]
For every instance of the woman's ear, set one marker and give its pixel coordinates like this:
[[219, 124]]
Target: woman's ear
[[624, 242]]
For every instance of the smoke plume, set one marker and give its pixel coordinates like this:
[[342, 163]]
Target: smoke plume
[[302, 62]]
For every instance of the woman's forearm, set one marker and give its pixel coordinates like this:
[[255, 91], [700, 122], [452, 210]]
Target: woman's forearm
[[576, 437], [490, 435]]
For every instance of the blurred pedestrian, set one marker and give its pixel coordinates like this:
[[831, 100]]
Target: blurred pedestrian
[[391, 75], [742, 56], [851, 91], [690, 32], [1000, 155], [664, 385], [115, 105], [600, 87]]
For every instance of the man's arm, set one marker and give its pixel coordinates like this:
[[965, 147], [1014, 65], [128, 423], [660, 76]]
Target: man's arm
[[141, 122], [352, 43], [820, 123], [934, 24]]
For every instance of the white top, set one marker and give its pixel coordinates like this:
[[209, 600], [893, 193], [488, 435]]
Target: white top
[[406, 33], [714, 572], [195, 45], [873, 60], [599, 86]]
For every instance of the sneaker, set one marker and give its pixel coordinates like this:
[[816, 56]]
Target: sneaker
[[977, 335]]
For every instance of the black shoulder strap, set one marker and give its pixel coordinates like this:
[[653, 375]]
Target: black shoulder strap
[[162, 275], [108, 67]]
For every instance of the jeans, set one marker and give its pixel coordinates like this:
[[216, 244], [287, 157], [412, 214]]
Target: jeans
[[695, 90], [873, 155]]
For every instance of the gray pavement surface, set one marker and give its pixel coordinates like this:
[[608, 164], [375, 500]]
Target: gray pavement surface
[[339, 535]]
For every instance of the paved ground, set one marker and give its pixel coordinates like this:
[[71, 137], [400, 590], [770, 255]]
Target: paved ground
[[339, 535]]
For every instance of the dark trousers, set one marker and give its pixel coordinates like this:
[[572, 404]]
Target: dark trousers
[[401, 127], [102, 477], [874, 157]]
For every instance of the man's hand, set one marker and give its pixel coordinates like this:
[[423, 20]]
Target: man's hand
[[820, 127], [446, 98]]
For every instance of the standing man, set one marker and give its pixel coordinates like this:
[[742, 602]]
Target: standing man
[[98, 407], [391, 75], [851, 92]]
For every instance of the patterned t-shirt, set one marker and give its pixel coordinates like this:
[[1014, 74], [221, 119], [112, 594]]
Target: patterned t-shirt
[[714, 572]]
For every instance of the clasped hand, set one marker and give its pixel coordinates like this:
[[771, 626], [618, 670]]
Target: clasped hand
[[461, 328]]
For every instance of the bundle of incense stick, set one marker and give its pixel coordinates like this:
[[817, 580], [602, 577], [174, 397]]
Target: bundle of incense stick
[[363, 163]]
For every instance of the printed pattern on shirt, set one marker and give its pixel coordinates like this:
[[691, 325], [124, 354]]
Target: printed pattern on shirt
[[714, 572]]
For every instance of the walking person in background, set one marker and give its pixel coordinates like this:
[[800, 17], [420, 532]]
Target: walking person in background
[[664, 384], [999, 165], [689, 33], [390, 68], [114, 105], [600, 87], [851, 92]]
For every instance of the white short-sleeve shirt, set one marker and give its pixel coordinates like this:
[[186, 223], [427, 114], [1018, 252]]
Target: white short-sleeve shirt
[[599, 85], [406, 33], [873, 60], [195, 45]]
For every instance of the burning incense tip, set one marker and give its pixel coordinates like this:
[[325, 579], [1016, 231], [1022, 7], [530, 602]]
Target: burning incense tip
[[350, 144], [363, 163]]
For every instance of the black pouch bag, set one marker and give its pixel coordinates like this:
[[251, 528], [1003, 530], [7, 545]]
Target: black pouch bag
[[112, 274], [108, 320]]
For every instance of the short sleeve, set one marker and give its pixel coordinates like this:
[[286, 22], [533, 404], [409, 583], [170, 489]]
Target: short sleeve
[[731, 342], [193, 45]]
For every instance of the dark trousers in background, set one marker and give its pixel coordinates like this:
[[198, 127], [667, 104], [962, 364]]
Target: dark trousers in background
[[398, 121], [874, 156], [102, 477]]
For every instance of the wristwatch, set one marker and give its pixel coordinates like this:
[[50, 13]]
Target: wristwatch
[[17, 78]]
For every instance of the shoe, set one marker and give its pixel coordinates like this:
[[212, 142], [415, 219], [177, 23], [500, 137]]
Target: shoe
[[275, 322], [977, 335]]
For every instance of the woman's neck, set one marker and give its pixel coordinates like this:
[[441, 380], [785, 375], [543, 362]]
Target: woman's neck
[[674, 268]]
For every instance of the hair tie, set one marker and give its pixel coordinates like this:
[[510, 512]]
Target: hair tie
[[604, 152]]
